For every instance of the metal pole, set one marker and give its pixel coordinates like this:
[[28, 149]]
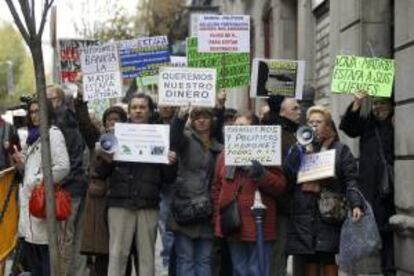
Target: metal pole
[[259, 210]]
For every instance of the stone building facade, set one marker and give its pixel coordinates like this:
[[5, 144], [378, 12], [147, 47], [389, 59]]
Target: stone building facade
[[316, 31]]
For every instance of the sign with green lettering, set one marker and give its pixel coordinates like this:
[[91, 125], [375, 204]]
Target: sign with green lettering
[[233, 69], [373, 75]]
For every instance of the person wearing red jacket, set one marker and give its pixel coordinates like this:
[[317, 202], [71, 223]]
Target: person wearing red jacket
[[244, 181]]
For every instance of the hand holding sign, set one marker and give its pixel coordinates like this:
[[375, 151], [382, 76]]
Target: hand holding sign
[[184, 111], [360, 96], [221, 99]]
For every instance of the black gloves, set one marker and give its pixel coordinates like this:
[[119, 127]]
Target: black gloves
[[257, 170]]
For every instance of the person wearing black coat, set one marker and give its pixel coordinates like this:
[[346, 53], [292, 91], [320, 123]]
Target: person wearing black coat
[[376, 144], [310, 236]]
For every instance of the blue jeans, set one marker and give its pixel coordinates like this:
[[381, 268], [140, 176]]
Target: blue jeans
[[167, 237], [246, 260], [193, 256]]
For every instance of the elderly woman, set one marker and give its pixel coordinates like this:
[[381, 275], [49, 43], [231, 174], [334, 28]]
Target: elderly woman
[[311, 235], [33, 229], [241, 183]]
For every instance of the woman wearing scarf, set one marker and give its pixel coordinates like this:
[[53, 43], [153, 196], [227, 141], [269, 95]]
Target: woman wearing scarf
[[244, 181], [311, 235], [33, 229]]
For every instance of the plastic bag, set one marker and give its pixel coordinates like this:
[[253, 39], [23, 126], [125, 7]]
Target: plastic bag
[[359, 239]]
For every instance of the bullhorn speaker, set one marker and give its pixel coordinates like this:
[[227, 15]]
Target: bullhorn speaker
[[108, 143], [305, 135]]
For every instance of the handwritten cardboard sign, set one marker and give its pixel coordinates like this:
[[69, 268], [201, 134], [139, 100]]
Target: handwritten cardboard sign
[[373, 75], [100, 69], [224, 33], [142, 57], [246, 143], [69, 57], [277, 77], [233, 69], [317, 166], [181, 86], [146, 143]]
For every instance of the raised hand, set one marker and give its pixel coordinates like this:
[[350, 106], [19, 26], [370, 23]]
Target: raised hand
[[358, 100]]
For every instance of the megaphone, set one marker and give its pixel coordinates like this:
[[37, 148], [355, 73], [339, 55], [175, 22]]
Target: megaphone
[[305, 135], [108, 143]]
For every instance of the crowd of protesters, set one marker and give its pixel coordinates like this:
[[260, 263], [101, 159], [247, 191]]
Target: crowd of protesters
[[119, 207]]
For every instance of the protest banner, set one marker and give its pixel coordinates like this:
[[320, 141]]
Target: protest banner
[[223, 33], [177, 61], [142, 57], [277, 77], [233, 69], [69, 57], [147, 143], [373, 75], [246, 143], [100, 71], [181, 86], [317, 166]]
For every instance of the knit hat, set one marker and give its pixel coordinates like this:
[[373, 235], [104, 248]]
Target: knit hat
[[115, 109]]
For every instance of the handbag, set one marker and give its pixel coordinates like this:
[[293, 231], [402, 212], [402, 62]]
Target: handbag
[[358, 240], [230, 219], [332, 207], [37, 202], [387, 177], [187, 211]]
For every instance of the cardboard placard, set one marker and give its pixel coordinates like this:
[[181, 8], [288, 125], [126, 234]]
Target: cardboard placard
[[277, 77], [100, 69], [179, 86], [233, 69], [69, 57], [223, 33], [246, 143], [146, 143], [142, 57], [317, 166], [373, 75]]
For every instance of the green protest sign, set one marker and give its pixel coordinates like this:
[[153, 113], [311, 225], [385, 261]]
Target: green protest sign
[[233, 69], [373, 75]]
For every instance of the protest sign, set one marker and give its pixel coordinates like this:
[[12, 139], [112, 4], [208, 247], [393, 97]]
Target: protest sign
[[181, 86], [147, 143], [277, 77], [317, 166], [142, 57], [100, 69], [223, 33], [177, 61], [246, 143], [233, 69], [373, 75], [69, 56]]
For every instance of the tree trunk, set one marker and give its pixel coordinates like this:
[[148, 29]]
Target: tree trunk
[[37, 54]]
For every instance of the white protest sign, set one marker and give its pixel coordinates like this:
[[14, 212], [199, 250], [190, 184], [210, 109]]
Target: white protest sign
[[147, 143], [178, 61], [179, 86], [246, 143], [224, 33], [100, 70], [277, 77], [317, 166]]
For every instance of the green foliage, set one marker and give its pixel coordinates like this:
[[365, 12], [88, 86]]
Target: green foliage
[[13, 49]]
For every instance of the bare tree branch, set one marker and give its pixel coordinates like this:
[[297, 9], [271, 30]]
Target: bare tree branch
[[18, 21], [25, 9], [33, 12], [45, 10]]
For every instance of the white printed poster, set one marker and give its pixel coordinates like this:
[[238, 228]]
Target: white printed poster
[[178, 61], [223, 33], [179, 86], [246, 143], [147, 143], [317, 166], [277, 77], [100, 71]]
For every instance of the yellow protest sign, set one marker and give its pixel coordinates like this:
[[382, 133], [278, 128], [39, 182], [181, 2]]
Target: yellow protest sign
[[373, 75]]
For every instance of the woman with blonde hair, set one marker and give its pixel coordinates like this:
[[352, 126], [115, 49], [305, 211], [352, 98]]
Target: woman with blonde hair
[[312, 234]]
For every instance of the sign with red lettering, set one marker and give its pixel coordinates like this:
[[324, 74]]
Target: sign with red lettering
[[224, 33]]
